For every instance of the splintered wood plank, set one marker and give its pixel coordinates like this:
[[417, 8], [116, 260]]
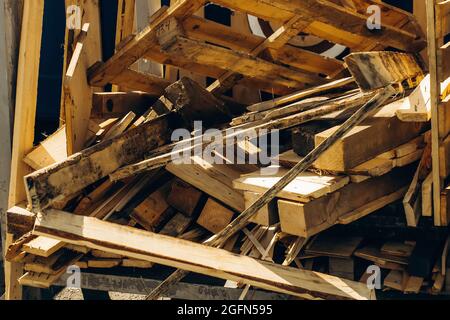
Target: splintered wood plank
[[213, 32], [76, 99], [238, 62], [214, 216], [56, 183], [194, 257], [378, 134], [43, 246], [268, 215], [373, 70], [427, 196], [50, 151], [307, 219], [305, 187], [150, 212]]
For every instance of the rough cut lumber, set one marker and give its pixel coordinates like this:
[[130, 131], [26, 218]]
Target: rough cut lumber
[[24, 119], [43, 246], [76, 96], [50, 151], [304, 188], [64, 179], [177, 225], [268, 215], [373, 70], [338, 246], [378, 134], [322, 89], [118, 104], [213, 179], [164, 156], [244, 64], [307, 219], [184, 197], [194, 257], [184, 291], [151, 211], [214, 216]]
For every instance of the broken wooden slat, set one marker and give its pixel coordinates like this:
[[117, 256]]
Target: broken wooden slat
[[373, 70], [62, 180], [168, 251]]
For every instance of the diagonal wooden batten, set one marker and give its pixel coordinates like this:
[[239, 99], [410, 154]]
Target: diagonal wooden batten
[[169, 251]]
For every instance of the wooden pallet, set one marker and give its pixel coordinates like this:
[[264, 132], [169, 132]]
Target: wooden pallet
[[176, 37]]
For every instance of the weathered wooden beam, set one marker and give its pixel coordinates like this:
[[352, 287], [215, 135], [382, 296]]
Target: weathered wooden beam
[[341, 19], [57, 182], [184, 290], [173, 252], [374, 70]]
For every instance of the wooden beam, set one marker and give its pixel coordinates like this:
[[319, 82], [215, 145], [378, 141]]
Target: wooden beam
[[143, 42], [326, 13], [384, 131], [374, 70], [164, 250], [76, 96], [25, 113], [435, 80], [184, 290], [307, 219], [49, 185], [244, 64], [10, 22]]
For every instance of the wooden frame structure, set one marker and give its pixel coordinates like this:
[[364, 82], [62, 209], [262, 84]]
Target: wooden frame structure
[[176, 29], [438, 20], [271, 64]]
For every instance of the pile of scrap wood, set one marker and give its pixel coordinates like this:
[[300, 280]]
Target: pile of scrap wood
[[354, 143]]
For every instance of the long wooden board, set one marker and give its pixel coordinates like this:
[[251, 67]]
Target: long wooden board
[[64, 179], [186, 255]]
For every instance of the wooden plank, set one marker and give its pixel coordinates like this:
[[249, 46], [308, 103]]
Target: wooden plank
[[214, 216], [268, 215], [118, 104], [139, 45], [76, 97], [194, 257], [184, 197], [184, 290], [10, 22], [52, 184], [305, 187], [43, 246], [25, 112], [237, 62], [333, 246], [343, 21], [213, 179], [384, 131], [434, 102], [373, 70], [50, 151], [307, 219], [427, 196], [443, 57]]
